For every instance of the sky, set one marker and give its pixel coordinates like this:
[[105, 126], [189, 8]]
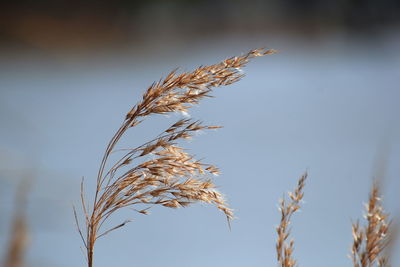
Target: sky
[[328, 106]]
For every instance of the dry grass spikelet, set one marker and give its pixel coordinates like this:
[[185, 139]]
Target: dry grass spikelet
[[370, 241], [171, 177], [284, 248]]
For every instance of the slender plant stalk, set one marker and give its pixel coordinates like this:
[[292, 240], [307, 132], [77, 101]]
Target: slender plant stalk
[[284, 249], [170, 177]]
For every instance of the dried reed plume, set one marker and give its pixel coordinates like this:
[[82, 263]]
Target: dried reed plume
[[370, 241], [172, 177], [284, 248]]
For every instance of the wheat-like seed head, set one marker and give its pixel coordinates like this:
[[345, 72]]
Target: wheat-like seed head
[[171, 177], [370, 241], [284, 248]]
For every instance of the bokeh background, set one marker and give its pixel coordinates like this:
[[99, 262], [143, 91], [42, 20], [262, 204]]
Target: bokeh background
[[328, 103]]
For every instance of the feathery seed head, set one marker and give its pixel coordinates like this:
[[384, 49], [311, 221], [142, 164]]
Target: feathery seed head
[[170, 177]]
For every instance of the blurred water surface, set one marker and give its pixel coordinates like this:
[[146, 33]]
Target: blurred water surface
[[327, 105]]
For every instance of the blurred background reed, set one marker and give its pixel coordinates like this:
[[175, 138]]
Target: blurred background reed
[[327, 102]]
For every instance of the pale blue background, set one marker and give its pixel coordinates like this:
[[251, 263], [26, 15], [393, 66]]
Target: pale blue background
[[330, 106]]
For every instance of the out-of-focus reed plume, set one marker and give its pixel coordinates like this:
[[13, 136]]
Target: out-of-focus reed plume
[[15, 256]]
